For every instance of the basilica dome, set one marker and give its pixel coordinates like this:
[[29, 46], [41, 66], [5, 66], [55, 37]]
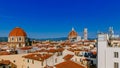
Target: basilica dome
[[17, 32], [72, 34]]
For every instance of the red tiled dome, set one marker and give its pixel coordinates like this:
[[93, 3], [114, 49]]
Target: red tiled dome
[[17, 32], [72, 34]]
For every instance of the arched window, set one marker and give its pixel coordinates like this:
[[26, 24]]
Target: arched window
[[12, 38], [20, 38]]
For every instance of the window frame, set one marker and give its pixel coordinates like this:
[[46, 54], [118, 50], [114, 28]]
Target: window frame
[[116, 54], [116, 65]]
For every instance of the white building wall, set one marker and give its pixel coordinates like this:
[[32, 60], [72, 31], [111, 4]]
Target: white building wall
[[102, 44], [110, 59], [85, 34], [23, 62], [36, 64]]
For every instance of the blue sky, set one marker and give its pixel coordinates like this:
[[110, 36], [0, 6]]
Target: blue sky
[[55, 18]]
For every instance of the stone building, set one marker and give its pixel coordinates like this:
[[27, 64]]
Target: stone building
[[72, 35], [17, 38]]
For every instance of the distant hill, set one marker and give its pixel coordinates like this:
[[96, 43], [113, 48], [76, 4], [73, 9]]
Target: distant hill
[[3, 39], [52, 39]]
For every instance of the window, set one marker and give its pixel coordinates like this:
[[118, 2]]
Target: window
[[116, 65], [116, 55], [12, 38], [56, 60], [76, 59], [28, 60], [32, 61], [3, 66], [20, 39], [14, 61], [42, 63]]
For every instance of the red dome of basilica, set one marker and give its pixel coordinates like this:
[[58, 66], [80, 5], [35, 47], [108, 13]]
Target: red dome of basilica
[[17, 32], [72, 34]]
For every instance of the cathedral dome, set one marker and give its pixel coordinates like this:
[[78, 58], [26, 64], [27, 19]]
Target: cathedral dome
[[17, 32], [73, 34]]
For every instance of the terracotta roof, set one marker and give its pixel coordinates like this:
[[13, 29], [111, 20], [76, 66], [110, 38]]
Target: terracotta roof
[[26, 48], [7, 62], [54, 43], [4, 62], [94, 53], [39, 57], [60, 50], [73, 50], [52, 50], [48, 67], [89, 41], [68, 57], [46, 46], [51, 46], [4, 53], [72, 34], [69, 64], [42, 50], [3, 43], [66, 43], [17, 32]]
